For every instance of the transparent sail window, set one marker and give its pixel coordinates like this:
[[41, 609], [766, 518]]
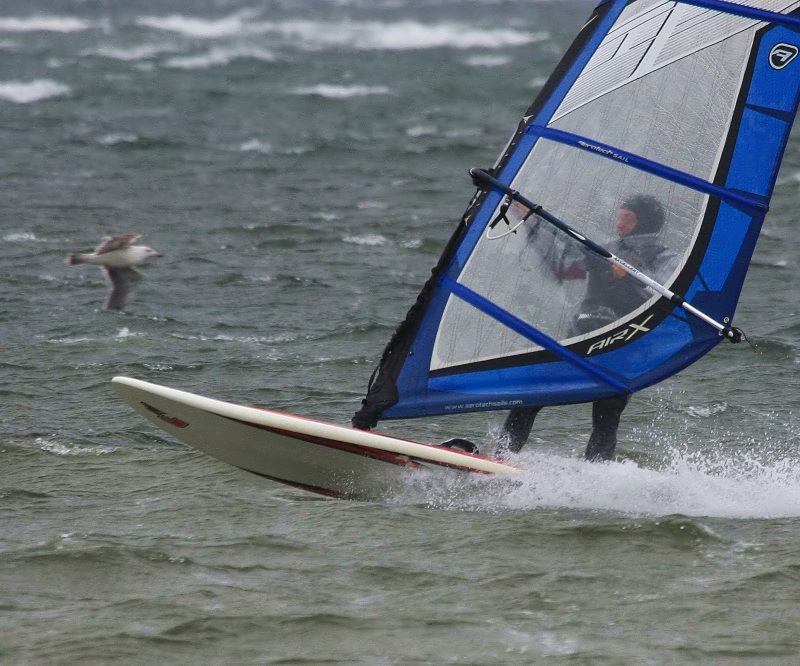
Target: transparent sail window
[[544, 277]]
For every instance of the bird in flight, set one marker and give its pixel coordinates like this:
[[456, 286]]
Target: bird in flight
[[117, 255]]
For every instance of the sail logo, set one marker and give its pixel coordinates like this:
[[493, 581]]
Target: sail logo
[[782, 54], [608, 152], [624, 335]]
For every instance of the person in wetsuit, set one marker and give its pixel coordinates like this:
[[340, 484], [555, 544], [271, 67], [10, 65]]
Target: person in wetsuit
[[638, 223]]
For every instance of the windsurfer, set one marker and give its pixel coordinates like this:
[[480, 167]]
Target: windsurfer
[[638, 223]]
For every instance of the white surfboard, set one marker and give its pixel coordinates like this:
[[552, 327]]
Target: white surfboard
[[320, 457]]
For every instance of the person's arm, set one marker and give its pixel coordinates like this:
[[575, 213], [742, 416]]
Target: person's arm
[[564, 259]]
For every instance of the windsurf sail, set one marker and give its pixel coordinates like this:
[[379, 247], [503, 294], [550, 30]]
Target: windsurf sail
[[675, 111]]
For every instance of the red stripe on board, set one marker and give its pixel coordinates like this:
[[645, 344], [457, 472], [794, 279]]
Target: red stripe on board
[[401, 439], [357, 449]]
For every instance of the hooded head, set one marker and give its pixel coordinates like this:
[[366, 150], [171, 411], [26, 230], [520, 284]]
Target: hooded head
[[649, 213]]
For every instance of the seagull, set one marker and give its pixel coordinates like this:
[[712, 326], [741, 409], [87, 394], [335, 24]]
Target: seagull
[[117, 255]]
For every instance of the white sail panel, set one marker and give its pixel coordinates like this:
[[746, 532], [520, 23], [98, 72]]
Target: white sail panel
[[651, 35]]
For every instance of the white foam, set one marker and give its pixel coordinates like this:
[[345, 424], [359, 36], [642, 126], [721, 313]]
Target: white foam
[[25, 92], [61, 449], [20, 237], [700, 485], [123, 333]]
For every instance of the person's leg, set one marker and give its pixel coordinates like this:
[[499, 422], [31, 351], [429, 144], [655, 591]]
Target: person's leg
[[605, 421], [516, 429]]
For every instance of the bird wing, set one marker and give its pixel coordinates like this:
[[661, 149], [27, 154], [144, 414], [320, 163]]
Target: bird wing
[[116, 242], [122, 280]]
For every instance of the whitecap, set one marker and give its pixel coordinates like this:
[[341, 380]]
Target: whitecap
[[159, 367], [367, 239], [130, 54], [70, 341], [20, 237], [341, 92], [219, 58], [357, 35], [422, 130], [488, 60], [42, 23], [124, 333], [227, 26], [707, 411], [245, 339], [372, 205], [256, 146], [118, 138], [25, 92], [53, 446], [395, 36]]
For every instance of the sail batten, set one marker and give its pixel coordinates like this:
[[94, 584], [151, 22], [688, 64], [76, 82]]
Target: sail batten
[[644, 164], [677, 112], [505, 317], [755, 11]]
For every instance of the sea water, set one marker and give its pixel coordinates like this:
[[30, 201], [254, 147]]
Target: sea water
[[301, 165]]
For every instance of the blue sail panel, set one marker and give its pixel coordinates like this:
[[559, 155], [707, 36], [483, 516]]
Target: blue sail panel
[[655, 145]]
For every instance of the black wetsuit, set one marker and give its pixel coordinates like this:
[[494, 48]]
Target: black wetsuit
[[644, 251]]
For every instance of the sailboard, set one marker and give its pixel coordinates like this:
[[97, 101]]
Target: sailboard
[[676, 111], [323, 458]]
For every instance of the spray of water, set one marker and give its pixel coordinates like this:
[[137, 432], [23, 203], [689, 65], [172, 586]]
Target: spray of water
[[692, 484]]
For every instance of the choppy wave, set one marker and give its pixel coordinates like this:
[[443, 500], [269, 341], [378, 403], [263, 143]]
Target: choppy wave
[[25, 92], [227, 26], [20, 237], [488, 60], [220, 57], [129, 53], [399, 36], [44, 23], [118, 138], [61, 448], [357, 35], [331, 91], [370, 240], [256, 146], [120, 336]]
